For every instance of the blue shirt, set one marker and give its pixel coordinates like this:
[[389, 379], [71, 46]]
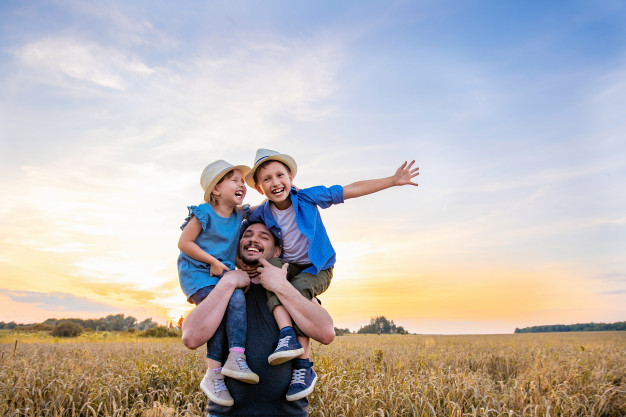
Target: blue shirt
[[218, 238], [305, 203]]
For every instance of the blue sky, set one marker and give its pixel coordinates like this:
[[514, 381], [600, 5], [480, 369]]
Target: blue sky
[[514, 112]]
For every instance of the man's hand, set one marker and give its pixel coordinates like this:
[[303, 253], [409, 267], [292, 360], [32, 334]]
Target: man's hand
[[237, 278], [271, 277], [405, 174]]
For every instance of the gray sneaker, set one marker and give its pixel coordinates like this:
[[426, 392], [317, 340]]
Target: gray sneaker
[[237, 368], [214, 387]]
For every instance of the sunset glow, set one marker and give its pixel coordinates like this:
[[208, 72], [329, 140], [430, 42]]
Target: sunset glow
[[514, 112]]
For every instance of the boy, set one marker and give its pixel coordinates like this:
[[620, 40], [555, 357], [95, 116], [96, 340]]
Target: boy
[[292, 216]]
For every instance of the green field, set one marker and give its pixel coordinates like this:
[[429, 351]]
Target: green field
[[100, 374]]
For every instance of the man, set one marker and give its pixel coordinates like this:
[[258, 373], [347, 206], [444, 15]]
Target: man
[[267, 398]]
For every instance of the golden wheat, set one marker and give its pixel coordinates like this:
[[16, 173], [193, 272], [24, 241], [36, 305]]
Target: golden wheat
[[573, 374]]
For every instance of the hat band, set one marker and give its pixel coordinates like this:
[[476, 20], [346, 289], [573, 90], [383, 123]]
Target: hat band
[[262, 158]]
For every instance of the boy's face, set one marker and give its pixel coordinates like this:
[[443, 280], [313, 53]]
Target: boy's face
[[274, 180], [232, 189]]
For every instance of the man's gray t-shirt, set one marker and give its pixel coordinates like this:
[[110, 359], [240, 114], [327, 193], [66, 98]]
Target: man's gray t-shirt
[[267, 398]]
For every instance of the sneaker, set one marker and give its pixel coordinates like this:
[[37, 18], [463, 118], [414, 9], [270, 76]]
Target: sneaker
[[302, 383], [287, 349], [237, 368], [214, 387]]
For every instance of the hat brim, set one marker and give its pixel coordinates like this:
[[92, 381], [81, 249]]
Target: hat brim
[[209, 189], [285, 159]]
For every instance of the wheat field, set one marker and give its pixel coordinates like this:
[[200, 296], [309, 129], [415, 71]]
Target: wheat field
[[558, 374]]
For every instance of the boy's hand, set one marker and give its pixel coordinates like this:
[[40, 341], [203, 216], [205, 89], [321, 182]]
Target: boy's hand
[[405, 174], [251, 270], [217, 269], [271, 277]]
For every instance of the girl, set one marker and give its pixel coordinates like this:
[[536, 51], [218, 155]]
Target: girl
[[208, 247]]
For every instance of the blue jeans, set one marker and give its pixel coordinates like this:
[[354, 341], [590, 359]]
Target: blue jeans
[[232, 327]]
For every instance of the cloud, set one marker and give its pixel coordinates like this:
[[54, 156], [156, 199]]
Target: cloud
[[613, 292], [56, 57], [56, 301]]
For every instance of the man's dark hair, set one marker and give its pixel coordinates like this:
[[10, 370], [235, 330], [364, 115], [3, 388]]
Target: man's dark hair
[[248, 223]]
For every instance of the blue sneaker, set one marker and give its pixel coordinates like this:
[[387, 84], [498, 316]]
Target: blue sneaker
[[302, 383], [287, 349]]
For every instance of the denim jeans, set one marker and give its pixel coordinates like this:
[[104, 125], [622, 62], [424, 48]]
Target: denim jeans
[[232, 328]]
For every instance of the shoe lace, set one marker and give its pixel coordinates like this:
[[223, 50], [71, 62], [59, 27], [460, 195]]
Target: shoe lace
[[219, 385], [297, 377], [283, 342], [242, 364]]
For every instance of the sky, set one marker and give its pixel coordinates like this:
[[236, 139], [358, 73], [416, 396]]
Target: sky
[[515, 113]]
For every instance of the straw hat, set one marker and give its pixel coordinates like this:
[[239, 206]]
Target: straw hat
[[214, 172], [264, 155]]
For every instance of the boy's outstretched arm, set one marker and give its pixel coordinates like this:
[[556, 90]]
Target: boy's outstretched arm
[[403, 176]]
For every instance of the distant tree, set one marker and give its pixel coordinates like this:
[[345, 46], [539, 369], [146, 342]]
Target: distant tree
[[579, 327], [160, 331], [341, 332], [8, 326], [129, 322], [180, 322], [146, 324], [380, 325], [66, 328], [115, 322], [37, 327]]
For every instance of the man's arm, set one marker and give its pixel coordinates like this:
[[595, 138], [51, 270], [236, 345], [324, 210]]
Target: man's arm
[[201, 323], [403, 176], [309, 315]]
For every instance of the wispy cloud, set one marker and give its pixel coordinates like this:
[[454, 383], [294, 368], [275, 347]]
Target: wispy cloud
[[54, 58], [56, 301]]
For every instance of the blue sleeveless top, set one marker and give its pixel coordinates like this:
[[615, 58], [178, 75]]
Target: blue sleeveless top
[[219, 238]]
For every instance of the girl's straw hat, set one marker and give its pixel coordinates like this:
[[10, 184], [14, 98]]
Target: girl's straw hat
[[214, 172], [264, 155]]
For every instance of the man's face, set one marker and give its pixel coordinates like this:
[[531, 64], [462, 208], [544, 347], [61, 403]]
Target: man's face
[[257, 242]]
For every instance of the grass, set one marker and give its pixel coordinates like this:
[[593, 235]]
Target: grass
[[558, 374]]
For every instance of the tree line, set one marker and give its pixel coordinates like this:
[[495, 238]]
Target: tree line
[[377, 325], [110, 323], [579, 327]]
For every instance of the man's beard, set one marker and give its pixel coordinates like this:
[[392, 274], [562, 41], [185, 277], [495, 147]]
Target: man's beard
[[249, 262]]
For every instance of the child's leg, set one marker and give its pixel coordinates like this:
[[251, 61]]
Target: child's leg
[[303, 377], [213, 382], [287, 347], [236, 326], [282, 317], [237, 320], [304, 341]]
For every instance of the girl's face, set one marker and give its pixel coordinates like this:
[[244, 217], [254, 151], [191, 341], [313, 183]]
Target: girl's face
[[231, 190]]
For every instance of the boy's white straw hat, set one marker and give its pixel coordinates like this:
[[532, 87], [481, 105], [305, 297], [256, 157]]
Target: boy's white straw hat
[[264, 155], [215, 171]]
